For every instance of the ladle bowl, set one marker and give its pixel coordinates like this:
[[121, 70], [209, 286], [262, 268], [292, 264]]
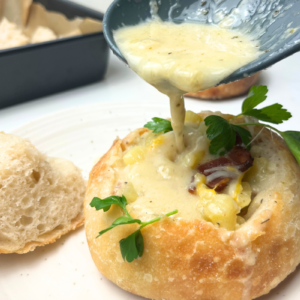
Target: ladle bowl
[[275, 23]]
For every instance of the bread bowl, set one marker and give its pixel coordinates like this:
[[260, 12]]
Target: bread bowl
[[41, 198], [229, 90], [186, 256]]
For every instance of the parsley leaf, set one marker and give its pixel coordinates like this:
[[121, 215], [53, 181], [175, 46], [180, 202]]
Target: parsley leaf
[[292, 139], [220, 133], [125, 220], [272, 114], [244, 134], [106, 203], [159, 125], [257, 95], [223, 135], [132, 247], [120, 221]]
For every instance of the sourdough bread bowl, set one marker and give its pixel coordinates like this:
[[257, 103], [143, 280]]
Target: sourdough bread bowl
[[229, 90], [41, 198], [191, 255]]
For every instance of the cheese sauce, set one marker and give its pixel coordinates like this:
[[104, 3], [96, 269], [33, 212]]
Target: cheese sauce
[[180, 58], [160, 176], [155, 178]]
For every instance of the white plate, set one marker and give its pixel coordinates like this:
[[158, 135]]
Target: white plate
[[65, 270]]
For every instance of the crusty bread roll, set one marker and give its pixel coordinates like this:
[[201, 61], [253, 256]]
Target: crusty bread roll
[[189, 258], [41, 198], [225, 91]]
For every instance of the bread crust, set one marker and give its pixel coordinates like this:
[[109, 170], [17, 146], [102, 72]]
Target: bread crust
[[228, 90], [50, 238], [193, 260]]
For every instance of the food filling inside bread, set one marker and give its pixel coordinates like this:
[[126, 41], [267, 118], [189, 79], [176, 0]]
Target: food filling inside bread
[[155, 178]]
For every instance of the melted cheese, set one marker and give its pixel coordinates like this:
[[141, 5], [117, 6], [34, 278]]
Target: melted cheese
[[183, 58], [177, 59], [161, 179], [186, 57], [155, 179]]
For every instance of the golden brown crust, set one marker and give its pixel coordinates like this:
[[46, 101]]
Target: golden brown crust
[[226, 91], [193, 260], [49, 237]]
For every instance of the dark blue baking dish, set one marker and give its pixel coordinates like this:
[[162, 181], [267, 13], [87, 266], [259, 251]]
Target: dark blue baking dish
[[34, 71]]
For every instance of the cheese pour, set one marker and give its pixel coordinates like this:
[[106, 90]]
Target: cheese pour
[[181, 58]]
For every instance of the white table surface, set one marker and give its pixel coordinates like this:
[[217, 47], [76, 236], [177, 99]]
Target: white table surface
[[121, 84]]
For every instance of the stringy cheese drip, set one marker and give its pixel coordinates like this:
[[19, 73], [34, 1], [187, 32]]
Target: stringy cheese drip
[[180, 58], [177, 59], [178, 114], [221, 173]]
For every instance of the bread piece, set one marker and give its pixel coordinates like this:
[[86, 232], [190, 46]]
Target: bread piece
[[193, 259], [43, 34], [230, 90], [41, 198], [11, 36]]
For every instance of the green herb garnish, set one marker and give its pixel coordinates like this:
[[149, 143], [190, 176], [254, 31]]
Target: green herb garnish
[[292, 139], [223, 134], [131, 247], [158, 125], [272, 114]]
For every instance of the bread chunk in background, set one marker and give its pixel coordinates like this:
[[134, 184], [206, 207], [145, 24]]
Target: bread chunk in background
[[11, 36], [226, 91], [41, 198], [188, 256]]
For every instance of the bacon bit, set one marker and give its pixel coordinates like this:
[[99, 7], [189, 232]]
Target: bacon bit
[[192, 190], [219, 184], [238, 156], [241, 158]]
